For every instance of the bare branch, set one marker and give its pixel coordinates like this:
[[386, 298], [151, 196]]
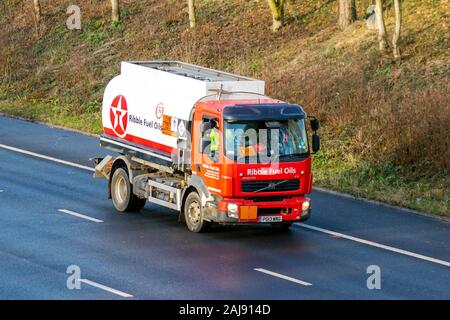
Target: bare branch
[[347, 13], [115, 11], [398, 25], [191, 8], [37, 10], [277, 9], [381, 26]]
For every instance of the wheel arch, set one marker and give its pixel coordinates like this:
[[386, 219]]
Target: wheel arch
[[120, 162], [185, 194], [199, 184], [194, 184]]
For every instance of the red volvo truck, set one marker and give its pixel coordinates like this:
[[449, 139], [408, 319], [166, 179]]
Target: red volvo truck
[[207, 144]]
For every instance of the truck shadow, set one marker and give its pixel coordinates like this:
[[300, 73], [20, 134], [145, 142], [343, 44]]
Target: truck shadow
[[166, 218], [156, 232]]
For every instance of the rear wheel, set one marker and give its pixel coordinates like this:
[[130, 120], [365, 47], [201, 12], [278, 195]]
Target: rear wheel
[[122, 192], [193, 214]]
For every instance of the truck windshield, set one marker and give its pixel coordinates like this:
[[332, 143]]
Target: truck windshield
[[266, 141]]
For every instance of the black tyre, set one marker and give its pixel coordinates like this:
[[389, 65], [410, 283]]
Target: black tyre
[[122, 192], [283, 226], [193, 213]]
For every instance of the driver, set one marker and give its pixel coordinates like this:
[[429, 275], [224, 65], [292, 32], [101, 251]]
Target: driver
[[214, 138]]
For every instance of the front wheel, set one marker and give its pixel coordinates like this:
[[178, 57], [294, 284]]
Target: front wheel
[[122, 192], [193, 214]]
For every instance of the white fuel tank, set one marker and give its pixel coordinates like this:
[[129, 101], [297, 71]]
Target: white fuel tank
[[149, 104]]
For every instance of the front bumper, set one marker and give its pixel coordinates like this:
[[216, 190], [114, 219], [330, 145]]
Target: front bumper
[[251, 211]]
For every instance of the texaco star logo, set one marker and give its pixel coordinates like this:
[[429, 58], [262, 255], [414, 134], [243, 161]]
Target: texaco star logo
[[119, 115]]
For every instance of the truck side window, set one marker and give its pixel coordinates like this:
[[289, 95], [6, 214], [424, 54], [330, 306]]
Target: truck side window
[[209, 143], [205, 129], [214, 145]]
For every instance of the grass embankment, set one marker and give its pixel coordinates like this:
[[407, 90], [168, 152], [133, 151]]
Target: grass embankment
[[385, 124]]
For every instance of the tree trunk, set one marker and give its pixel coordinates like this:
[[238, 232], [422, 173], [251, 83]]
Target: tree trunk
[[191, 8], [381, 26], [398, 25], [37, 10], [115, 13], [277, 9], [347, 13]]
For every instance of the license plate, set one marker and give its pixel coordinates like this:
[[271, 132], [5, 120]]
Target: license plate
[[270, 219]]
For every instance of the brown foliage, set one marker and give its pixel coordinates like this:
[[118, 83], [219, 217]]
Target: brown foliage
[[379, 111], [384, 119]]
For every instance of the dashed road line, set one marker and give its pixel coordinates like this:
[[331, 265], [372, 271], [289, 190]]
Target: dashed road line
[[282, 276], [105, 288], [375, 244], [79, 215], [332, 233]]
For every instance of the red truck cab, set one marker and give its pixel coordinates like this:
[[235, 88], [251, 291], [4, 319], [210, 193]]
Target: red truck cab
[[262, 171]]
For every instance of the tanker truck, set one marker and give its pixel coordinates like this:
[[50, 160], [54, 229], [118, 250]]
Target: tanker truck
[[207, 144]]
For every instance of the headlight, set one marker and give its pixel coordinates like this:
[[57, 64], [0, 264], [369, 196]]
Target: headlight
[[305, 205], [232, 208]]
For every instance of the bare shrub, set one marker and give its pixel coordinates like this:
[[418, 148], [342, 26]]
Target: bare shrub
[[384, 118]]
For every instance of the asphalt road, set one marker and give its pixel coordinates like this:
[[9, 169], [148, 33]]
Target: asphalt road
[[150, 255]]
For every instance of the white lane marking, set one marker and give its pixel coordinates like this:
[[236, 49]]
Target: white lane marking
[[41, 156], [79, 215], [375, 244], [282, 276], [1, 190], [102, 287], [333, 233]]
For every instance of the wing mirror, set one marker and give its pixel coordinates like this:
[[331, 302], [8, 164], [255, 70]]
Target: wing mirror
[[315, 136], [314, 124], [315, 142]]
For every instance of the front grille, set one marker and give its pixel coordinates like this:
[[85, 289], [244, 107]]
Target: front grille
[[270, 185], [269, 211], [267, 198]]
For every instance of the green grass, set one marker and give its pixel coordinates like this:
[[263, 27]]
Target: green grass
[[54, 113], [389, 184]]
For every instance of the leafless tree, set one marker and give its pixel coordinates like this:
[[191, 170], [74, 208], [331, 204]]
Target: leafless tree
[[398, 25], [37, 9], [191, 9], [347, 13], [115, 11], [277, 9], [381, 26]]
